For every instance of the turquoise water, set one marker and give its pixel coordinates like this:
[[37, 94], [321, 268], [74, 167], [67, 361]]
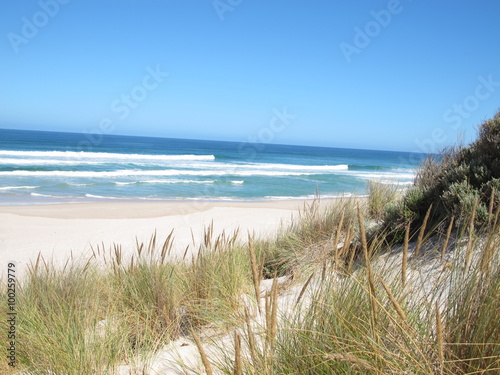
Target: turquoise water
[[51, 167]]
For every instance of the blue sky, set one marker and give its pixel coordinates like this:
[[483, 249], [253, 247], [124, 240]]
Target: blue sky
[[395, 75]]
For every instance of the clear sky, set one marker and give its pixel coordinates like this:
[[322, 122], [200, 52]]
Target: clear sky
[[395, 75]]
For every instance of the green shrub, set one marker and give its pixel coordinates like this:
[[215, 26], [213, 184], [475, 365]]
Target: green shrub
[[452, 182], [487, 146], [460, 199]]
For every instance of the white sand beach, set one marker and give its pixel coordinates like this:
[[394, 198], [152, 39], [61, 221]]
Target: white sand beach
[[60, 231]]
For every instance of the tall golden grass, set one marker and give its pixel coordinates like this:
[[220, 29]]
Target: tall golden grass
[[360, 306]]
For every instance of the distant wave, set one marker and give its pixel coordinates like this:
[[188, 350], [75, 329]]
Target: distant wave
[[100, 196], [103, 155], [382, 175], [243, 172], [78, 184], [166, 172], [173, 181], [269, 166], [18, 187], [293, 167], [15, 161], [205, 172], [125, 183], [259, 166], [43, 195], [178, 182], [181, 161], [237, 182]]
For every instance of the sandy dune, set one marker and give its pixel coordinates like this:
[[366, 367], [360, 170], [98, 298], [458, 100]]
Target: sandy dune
[[59, 231]]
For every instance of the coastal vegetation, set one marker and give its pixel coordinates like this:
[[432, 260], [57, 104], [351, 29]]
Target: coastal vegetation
[[460, 180], [398, 283]]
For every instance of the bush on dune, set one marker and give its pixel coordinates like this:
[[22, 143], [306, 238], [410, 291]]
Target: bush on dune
[[454, 182]]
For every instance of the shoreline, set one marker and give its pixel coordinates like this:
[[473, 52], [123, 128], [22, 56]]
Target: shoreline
[[149, 209], [179, 200]]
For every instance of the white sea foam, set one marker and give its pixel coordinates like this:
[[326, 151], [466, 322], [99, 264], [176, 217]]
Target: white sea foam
[[103, 155], [166, 172], [172, 181], [178, 181], [43, 195], [382, 175], [181, 161], [15, 161], [17, 187], [294, 167], [79, 184], [266, 167], [237, 182], [99, 196]]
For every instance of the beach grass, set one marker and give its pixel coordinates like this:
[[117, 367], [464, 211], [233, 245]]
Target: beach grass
[[359, 306], [381, 195], [442, 320], [88, 319]]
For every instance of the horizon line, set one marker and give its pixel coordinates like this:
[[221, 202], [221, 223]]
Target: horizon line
[[217, 140]]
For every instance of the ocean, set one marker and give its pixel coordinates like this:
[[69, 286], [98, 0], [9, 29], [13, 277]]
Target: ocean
[[52, 167]]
